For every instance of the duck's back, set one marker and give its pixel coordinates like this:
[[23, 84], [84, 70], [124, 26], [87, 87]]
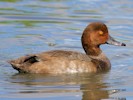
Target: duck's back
[[57, 61], [69, 55]]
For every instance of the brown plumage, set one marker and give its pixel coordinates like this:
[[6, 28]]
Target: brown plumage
[[60, 61]]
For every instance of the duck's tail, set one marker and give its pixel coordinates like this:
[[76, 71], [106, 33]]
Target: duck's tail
[[15, 65], [21, 64], [12, 62]]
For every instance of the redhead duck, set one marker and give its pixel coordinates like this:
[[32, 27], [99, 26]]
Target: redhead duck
[[61, 61]]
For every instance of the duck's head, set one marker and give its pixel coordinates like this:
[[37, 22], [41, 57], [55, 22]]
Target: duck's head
[[94, 35]]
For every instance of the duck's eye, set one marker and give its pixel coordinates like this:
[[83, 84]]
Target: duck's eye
[[101, 33]]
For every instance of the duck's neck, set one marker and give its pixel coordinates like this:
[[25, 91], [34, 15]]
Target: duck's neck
[[92, 50], [96, 54]]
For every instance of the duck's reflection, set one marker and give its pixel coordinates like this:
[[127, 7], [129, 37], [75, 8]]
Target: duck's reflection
[[92, 86], [94, 91]]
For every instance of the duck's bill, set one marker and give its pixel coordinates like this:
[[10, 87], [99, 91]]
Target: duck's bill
[[112, 41]]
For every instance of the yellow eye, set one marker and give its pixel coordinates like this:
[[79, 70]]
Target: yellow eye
[[101, 32]]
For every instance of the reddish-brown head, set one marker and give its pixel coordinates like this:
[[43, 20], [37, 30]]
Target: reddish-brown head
[[94, 35]]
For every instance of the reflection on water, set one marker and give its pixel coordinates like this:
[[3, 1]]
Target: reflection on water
[[32, 26], [85, 86], [92, 87]]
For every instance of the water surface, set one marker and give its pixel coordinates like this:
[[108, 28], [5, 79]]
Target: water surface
[[32, 26]]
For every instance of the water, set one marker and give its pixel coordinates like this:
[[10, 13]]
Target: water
[[32, 26]]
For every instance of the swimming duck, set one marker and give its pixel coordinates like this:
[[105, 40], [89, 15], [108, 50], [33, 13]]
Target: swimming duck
[[62, 61]]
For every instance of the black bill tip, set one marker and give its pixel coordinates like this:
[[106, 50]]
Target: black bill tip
[[123, 44]]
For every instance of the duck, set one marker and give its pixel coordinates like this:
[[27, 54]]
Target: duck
[[63, 61]]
